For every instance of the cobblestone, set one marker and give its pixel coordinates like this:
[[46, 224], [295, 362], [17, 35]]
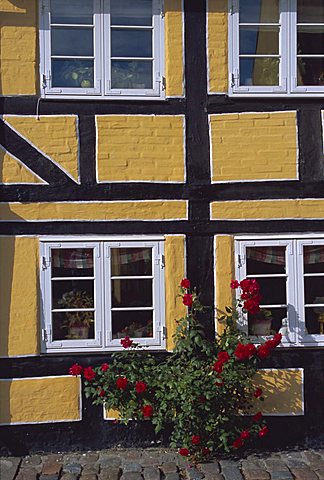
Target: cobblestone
[[303, 474], [170, 467], [209, 468], [193, 474], [152, 473], [232, 473], [9, 467], [172, 476]]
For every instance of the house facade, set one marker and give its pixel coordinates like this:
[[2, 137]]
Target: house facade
[[141, 142]]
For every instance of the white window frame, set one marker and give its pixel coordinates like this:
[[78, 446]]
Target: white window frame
[[295, 284], [287, 51], [102, 74], [102, 294]]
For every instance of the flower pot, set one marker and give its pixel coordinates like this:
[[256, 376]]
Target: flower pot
[[78, 333], [261, 327]]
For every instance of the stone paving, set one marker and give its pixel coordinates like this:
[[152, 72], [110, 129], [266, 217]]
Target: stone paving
[[162, 464]]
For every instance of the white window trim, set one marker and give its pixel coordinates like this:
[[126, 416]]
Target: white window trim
[[102, 341], [102, 88], [287, 48], [295, 292]]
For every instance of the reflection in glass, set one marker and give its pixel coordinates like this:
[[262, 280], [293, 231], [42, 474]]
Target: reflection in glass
[[310, 71], [128, 12], [266, 260], [131, 261], [74, 41], [259, 11], [69, 294], [314, 259], [262, 71], [69, 262], [73, 325], [273, 290], [259, 40], [310, 11], [73, 11], [131, 74], [314, 320], [72, 73], [135, 324], [310, 40], [132, 293], [131, 43]]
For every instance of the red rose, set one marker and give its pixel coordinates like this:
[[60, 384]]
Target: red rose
[[184, 452], [104, 367], [219, 382], [257, 417], [89, 374], [234, 284], [274, 342], [245, 435], [238, 443], [187, 300], [250, 350], [263, 351], [223, 357], [75, 369], [121, 383], [185, 283], [196, 440], [252, 306], [147, 411], [263, 432], [244, 352], [101, 393], [126, 342], [218, 367], [205, 451], [140, 387], [257, 393]]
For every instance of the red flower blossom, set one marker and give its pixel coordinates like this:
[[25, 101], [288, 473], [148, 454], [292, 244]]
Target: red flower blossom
[[263, 432], [257, 417], [104, 367], [205, 451], [121, 383], [251, 350], [89, 374], [202, 399], [75, 369], [218, 367], [147, 411], [257, 393], [250, 285], [223, 357], [140, 387], [126, 342], [219, 382], [187, 300], [238, 443], [244, 352], [234, 284], [274, 342], [252, 306], [263, 351], [184, 452], [102, 393], [245, 434], [196, 440], [185, 283]]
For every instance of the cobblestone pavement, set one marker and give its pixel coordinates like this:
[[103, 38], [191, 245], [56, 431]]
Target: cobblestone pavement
[[162, 464]]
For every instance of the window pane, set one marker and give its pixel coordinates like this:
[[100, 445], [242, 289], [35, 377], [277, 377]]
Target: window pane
[[263, 260], [134, 324], [131, 261], [314, 259], [128, 12], [310, 71], [73, 325], [259, 326], [72, 41], [314, 320], [259, 40], [72, 262], [72, 73], [314, 289], [310, 11], [131, 293], [68, 294], [73, 11], [259, 11], [273, 290], [310, 40], [131, 43], [131, 74], [259, 71]]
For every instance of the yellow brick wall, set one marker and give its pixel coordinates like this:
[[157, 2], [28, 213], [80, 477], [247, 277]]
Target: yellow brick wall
[[18, 47], [140, 148], [40, 400], [224, 273], [217, 45], [19, 296], [254, 146], [54, 135], [174, 54], [12, 171]]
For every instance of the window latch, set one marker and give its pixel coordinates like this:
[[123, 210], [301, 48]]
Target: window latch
[[234, 79], [46, 262]]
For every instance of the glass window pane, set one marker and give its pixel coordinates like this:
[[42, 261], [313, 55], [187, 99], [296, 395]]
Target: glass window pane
[[273, 290], [72, 41], [259, 11], [132, 74], [314, 321], [310, 11], [72, 73], [263, 260], [259, 71], [72, 262], [314, 259], [73, 325], [131, 43], [132, 293], [73, 11], [259, 40], [134, 324], [131, 261], [261, 326], [310, 71], [128, 12], [314, 289], [68, 294], [310, 40]]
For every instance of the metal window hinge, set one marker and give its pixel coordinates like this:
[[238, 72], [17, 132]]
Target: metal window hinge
[[163, 332], [234, 79], [231, 10], [160, 261], [44, 335], [240, 260], [162, 12], [163, 83], [46, 262]]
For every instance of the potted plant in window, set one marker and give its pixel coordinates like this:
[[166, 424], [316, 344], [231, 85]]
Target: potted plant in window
[[260, 323], [79, 322]]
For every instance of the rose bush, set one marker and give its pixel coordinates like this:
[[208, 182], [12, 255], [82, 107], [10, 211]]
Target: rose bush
[[197, 392]]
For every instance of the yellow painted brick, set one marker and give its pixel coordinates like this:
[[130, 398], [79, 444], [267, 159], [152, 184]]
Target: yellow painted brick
[[225, 272], [12, 171], [217, 36], [174, 66]]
